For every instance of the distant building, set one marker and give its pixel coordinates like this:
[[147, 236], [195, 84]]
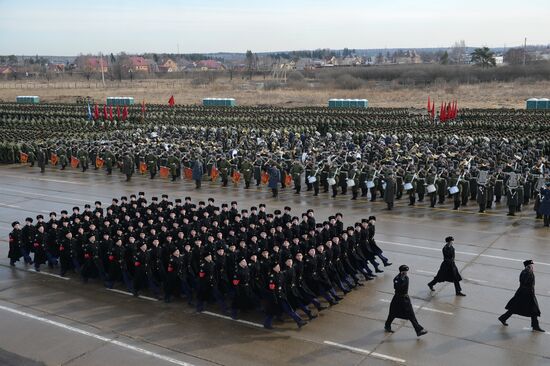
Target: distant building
[[407, 57], [167, 65], [138, 64], [56, 67], [6, 71], [210, 65], [499, 60], [95, 64]]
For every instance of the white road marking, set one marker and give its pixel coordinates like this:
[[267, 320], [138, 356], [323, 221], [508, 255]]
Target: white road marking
[[235, 320], [43, 179], [458, 252], [527, 328], [423, 308], [427, 272], [12, 206], [44, 195], [96, 336], [47, 274], [130, 294], [366, 352]]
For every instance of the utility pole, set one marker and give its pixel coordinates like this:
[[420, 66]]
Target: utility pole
[[101, 66], [525, 51]]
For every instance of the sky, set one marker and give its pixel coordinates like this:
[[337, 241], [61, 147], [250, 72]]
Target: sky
[[71, 27]]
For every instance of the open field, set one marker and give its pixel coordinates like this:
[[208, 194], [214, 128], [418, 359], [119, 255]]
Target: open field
[[485, 95]]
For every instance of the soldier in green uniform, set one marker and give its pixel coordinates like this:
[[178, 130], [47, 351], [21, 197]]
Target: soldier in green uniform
[[32, 157], [455, 182], [109, 160], [62, 155], [152, 164], [173, 165], [333, 174], [296, 171], [442, 187], [431, 182], [247, 169], [410, 181], [421, 184], [41, 158], [128, 166], [353, 174], [223, 168], [83, 159]]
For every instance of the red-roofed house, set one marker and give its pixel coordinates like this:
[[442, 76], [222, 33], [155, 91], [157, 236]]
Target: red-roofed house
[[138, 63], [210, 65], [6, 71], [96, 64], [168, 65]]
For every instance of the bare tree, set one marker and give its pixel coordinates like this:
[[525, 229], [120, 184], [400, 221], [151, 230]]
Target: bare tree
[[458, 53]]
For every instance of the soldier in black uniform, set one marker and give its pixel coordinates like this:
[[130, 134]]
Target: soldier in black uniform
[[15, 253], [448, 272], [524, 302], [401, 306]]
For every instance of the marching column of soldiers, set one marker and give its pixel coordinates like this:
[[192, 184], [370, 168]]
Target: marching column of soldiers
[[244, 259]]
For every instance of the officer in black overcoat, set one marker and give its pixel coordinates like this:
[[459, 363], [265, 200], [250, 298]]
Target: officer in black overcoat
[[524, 302], [448, 271], [401, 306]]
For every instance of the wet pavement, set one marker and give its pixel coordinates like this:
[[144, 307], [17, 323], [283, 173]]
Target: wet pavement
[[63, 322]]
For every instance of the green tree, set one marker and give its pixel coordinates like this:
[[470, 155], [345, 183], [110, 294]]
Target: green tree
[[444, 59], [483, 57], [249, 63]]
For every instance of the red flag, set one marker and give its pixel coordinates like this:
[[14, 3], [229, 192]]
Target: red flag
[[143, 108], [432, 110], [125, 113], [171, 101], [111, 113], [118, 112], [96, 112], [105, 112], [442, 113], [449, 111], [429, 105]]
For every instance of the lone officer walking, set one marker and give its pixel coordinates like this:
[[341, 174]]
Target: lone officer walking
[[448, 272]]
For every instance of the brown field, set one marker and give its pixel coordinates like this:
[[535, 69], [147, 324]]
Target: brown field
[[486, 95]]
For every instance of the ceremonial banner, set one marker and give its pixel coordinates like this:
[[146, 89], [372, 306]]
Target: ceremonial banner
[[54, 159], [236, 177], [265, 178], [74, 162], [99, 162], [164, 172], [188, 173], [24, 158], [142, 167], [288, 180], [214, 174]]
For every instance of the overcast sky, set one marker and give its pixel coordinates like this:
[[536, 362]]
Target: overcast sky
[[70, 27]]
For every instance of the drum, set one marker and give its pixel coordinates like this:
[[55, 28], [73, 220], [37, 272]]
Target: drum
[[369, 183], [312, 179], [331, 181], [453, 190], [431, 188], [408, 186], [350, 182]]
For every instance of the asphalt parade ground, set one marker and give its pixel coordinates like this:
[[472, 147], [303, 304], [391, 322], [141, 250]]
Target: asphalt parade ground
[[61, 321]]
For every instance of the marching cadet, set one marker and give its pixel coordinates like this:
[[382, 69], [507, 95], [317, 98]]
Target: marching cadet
[[481, 196], [354, 176], [309, 170], [63, 160], [15, 252], [110, 160], [66, 245], [442, 187], [142, 272], [455, 189], [333, 179], [524, 302], [448, 271], [401, 306], [410, 186], [208, 284], [244, 298], [175, 166], [421, 184]]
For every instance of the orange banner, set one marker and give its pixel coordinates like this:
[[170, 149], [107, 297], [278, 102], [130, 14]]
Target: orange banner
[[288, 180], [54, 159], [142, 167], [24, 158], [74, 162], [215, 173], [164, 172], [236, 177], [265, 178], [99, 162], [188, 173]]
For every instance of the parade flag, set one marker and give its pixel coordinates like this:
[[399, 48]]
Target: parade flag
[[142, 167], [164, 172], [236, 177], [265, 178], [105, 112], [111, 113], [214, 173], [188, 173], [24, 158], [96, 112], [54, 159], [171, 101], [125, 113], [288, 180], [89, 112], [429, 105], [74, 162], [118, 112], [143, 108], [432, 112], [99, 162]]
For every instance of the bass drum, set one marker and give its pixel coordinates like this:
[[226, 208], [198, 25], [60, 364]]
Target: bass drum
[[331, 181], [431, 188], [350, 182], [408, 186], [312, 179], [370, 184], [453, 190]]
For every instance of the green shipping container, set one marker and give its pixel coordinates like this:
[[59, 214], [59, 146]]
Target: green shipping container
[[532, 103], [543, 103]]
